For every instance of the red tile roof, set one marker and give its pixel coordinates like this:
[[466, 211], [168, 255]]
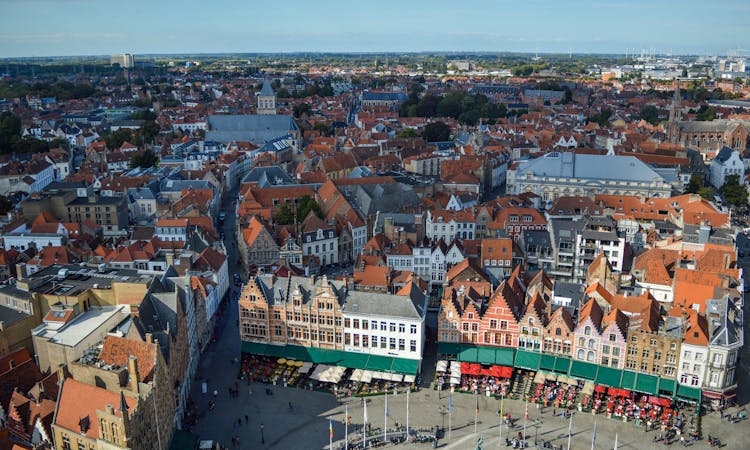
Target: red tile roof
[[79, 402]]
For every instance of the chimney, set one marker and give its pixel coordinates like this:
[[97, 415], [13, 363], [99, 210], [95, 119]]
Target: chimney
[[133, 374], [149, 338], [169, 259]]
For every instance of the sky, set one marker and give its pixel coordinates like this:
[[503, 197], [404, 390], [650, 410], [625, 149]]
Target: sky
[[102, 27]]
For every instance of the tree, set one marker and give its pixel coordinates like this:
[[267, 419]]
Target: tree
[[436, 132], [5, 204], [705, 113], [602, 118], [115, 139], [408, 133], [567, 96], [283, 215], [650, 114], [302, 108], [695, 185], [305, 205], [10, 131], [146, 159], [733, 192], [706, 192]]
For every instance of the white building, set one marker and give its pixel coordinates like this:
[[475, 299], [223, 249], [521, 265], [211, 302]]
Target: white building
[[321, 242], [727, 162], [598, 236], [385, 324], [725, 323], [693, 362], [171, 229], [449, 225], [559, 174]]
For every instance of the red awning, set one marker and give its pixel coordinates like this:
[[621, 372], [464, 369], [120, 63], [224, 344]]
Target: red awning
[[507, 372], [713, 395], [613, 391], [600, 389], [624, 393], [665, 402]]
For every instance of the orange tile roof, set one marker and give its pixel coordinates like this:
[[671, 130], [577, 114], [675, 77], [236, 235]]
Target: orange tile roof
[[117, 350], [79, 401], [172, 223]]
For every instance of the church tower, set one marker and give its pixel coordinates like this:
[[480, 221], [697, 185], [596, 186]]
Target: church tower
[[266, 100], [675, 115]]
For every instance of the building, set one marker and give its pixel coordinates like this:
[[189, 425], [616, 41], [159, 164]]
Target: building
[[256, 244], [448, 225], [266, 100], [727, 162], [323, 316], [125, 60], [74, 203], [726, 338], [599, 235], [256, 129], [559, 174]]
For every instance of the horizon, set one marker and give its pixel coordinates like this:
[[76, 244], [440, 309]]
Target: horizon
[[80, 28]]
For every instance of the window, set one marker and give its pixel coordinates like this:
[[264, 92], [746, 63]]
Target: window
[[365, 340], [413, 329], [657, 356], [412, 345], [558, 331], [592, 343], [355, 323], [392, 343], [615, 351], [383, 342], [645, 353], [493, 324], [364, 324], [587, 331], [401, 328], [612, 337], [605, 350], [347, 323], [590, 356], [401, 344], [383, 326], [581, 354], [66, 442]]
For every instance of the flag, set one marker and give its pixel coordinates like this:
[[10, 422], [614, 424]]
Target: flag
[[593, 440], [526, 412], [330, 428], [450, 402]]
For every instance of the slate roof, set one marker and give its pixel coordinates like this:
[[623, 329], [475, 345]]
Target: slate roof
[[593, 167], [257, 129]]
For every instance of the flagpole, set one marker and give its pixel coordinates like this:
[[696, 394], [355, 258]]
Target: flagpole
[[408, 388], [346, 427], [364, 426], [450, 413], [615, 441], [476, 410], [570, 429], [330, 434], [525, 417], [593, 439], [385, 418], [502, 398]]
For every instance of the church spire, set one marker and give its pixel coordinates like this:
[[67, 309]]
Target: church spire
[[675, 114]]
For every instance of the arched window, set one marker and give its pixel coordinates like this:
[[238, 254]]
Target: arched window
[[590, 356], [592, 343], [581, 354], [587, 331]]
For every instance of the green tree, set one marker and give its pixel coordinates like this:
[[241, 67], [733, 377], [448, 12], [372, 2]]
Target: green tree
[[408, 133], [436, 132], [650, 114], [567, 96], [705, 113], [10, 131], [147, 132], [302, 108], [146, 159], [115, 139], [5, 204], [706, 192], [695, 185], [283, 215], [733, 192], [305, 205]]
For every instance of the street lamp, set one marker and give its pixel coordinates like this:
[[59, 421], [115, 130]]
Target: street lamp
[[536, 430], [262, 437]]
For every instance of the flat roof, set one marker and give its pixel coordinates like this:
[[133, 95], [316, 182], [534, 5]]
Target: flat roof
[[72, 333]]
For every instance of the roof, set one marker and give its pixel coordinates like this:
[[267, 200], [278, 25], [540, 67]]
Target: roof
[[596, 167], [79, 402], [257, 129], [267, 90], [117, 351]]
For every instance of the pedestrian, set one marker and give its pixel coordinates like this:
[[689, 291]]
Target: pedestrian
[[246, 419], [554, 411], [216, 393]]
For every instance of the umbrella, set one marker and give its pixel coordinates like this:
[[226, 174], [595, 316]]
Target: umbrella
[[281, 361]]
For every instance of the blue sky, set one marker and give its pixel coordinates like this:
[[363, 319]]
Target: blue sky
[[96, 27]]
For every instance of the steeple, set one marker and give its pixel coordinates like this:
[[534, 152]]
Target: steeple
[[266, 99], [675, 114]]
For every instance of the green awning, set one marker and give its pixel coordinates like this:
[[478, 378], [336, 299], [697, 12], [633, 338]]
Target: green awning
[[297, 353], [379, 363], [184, 440], [486, 355], [527, 360], [405, 366], [468, 354], [688, 393], [667, 385], [355, 360], [448, 348], [584, 370], [562, 364], [646, 384], [505, 356], [609, 377], [628, 380], [547, 362], [325, 356]]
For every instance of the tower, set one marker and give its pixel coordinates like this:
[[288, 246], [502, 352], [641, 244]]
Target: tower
[[266, 100], [675, 114]]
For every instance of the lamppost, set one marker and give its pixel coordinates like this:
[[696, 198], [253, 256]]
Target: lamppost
[[536, 430], [262, 437]]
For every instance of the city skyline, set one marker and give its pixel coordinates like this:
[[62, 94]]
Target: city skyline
[[84, 27]]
